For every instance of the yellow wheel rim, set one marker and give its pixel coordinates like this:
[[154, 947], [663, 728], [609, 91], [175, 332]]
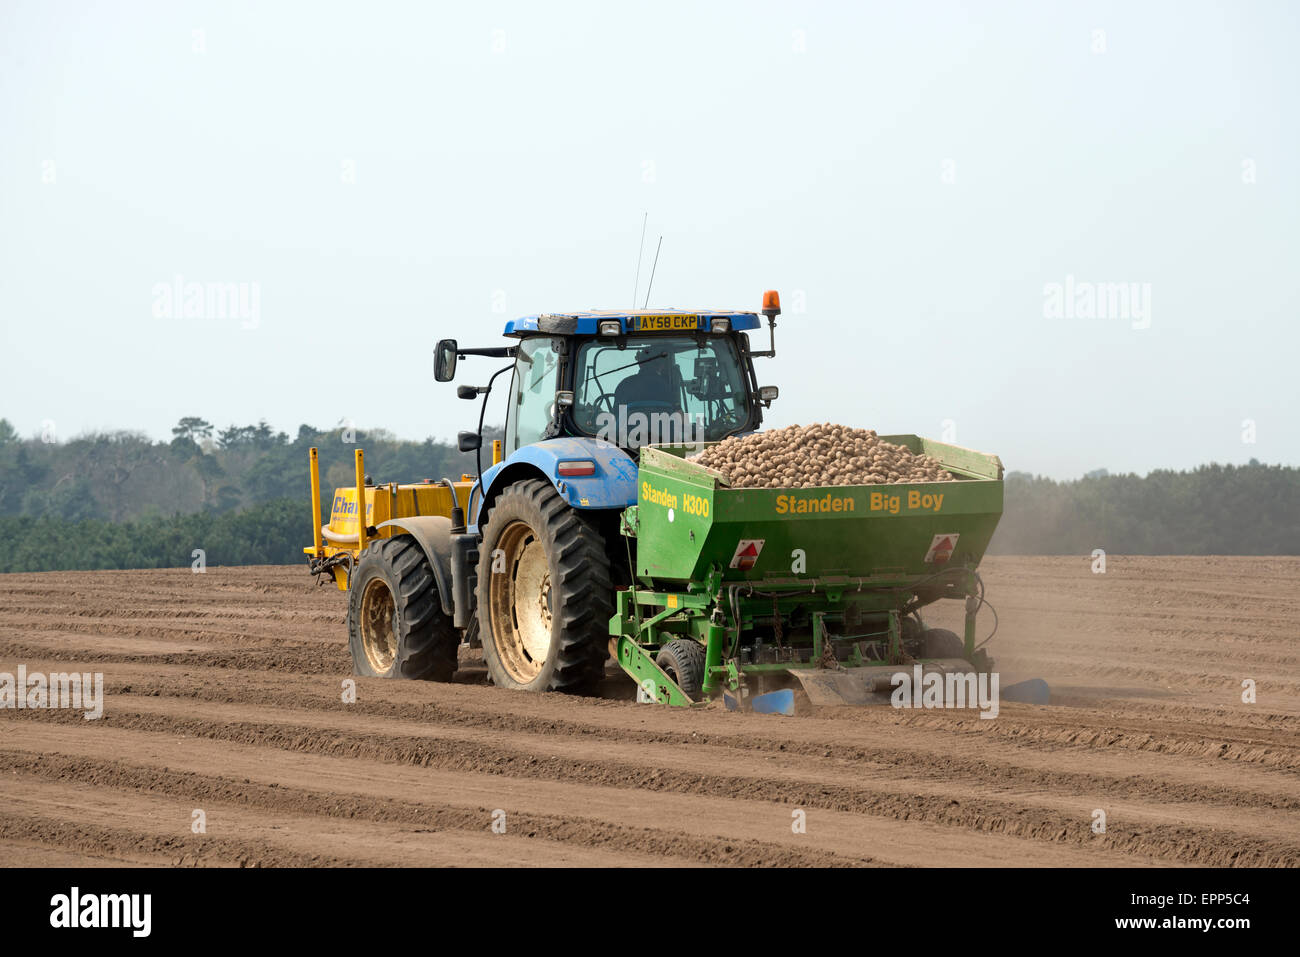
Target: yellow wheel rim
[[519, 602], [379, 625]]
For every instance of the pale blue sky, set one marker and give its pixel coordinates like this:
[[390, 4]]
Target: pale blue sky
[[504, 155]]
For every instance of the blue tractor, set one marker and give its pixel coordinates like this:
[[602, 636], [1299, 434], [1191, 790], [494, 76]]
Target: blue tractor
[[526, 557]]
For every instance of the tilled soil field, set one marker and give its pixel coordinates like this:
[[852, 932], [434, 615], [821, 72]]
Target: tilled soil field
[[224, 694]]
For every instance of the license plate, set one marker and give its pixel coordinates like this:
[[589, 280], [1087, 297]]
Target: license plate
[[667, 323]]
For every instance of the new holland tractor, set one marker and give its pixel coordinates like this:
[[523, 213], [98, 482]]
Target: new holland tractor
[[590, 533]]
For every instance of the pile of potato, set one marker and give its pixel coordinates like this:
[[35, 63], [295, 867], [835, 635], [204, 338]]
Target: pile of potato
[[808, 456]]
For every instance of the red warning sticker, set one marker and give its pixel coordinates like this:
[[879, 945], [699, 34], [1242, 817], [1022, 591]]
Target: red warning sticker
[[747, 553], [941, 547]]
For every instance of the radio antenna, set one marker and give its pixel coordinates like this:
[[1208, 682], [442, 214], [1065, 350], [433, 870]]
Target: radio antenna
[[640, 251], [652, 274]]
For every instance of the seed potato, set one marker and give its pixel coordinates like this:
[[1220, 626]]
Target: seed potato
[[818, 455]]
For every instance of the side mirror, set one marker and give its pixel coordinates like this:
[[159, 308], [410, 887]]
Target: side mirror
[[467, 392], [468, 441], [444, 360]]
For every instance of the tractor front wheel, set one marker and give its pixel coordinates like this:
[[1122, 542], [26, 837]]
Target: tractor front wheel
[[544, 592]]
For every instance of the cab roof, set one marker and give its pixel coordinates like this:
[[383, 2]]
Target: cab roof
[[632, 320]]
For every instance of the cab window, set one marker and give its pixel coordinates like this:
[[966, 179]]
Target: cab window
[[660, 389], [537, 363]]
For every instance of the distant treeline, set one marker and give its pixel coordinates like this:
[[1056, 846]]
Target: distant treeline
[[1249, 509], [122, 476], [241, 495], [270, 534]]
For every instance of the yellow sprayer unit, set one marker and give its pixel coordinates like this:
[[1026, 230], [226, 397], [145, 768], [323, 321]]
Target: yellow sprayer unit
[[338, 545]]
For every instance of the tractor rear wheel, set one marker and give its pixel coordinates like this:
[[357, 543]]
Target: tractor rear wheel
[[544, 592], [682, 659], [396, 626]]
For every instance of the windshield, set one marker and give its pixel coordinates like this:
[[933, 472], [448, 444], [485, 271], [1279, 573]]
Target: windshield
[[660, 389]]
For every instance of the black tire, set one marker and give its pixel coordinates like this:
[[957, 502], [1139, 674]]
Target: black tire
[[396, 626], [543, 616], [683, 661], [942, 643]]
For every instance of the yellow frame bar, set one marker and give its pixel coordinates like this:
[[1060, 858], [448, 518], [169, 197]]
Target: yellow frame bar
[[361, 501], [315, 502]]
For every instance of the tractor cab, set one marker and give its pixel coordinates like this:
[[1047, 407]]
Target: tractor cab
[[629, 379]]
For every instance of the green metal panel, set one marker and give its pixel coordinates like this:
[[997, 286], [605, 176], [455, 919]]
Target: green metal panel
[[688, 521], [650, 678], [960, 461]]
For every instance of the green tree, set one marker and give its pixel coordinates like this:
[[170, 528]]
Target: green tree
[[193, 428]]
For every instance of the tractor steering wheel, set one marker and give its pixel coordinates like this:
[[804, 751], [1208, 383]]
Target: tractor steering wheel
[[592, 411]]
